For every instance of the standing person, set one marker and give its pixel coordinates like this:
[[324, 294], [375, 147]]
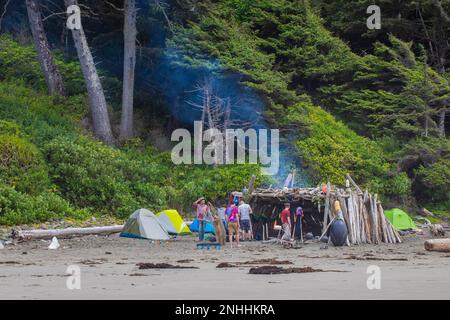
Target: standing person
[[233, 223], [244, 214], [202, 211], [299, 214], [286, 222]]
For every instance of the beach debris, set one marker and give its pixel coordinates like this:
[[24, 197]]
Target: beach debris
[[185, 261], [281, 270], [143, 266], [54, 244], [440, 245], [425, 213], [373, 258], [253, 262], [437, 230]]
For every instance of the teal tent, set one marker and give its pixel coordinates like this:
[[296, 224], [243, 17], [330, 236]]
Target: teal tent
[[208, 229]]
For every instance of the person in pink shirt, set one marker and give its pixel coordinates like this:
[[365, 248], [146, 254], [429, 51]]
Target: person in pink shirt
[[233, 223], [202, 212]]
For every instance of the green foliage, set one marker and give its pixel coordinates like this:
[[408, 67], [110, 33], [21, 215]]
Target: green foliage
[[435, 181], [21, 164], [20, 63], [20, 208], [391, 93], [94, 176], [331, 149]]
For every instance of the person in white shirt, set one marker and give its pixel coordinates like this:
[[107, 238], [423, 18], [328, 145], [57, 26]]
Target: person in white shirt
[[244, 215]]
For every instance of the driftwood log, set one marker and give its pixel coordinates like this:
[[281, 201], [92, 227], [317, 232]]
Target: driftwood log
[[441, 245], [64, 233]]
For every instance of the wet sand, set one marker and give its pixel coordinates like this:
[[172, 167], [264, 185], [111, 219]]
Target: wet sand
[[109, 271]]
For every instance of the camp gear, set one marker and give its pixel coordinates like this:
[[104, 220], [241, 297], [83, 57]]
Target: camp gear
[[338, 232], [143, 224], [54, 244], [208, 246], [173, 223], [399, 219], [209, 227]]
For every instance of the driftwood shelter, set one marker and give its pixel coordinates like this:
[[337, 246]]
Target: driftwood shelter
[[362, 211]]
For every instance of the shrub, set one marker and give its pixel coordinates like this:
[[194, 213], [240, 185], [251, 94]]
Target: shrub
[[331, 149], [21, 165], [92, 175], [19, 208], [434, 182]]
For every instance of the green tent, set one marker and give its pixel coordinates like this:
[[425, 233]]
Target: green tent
[[399, 219]]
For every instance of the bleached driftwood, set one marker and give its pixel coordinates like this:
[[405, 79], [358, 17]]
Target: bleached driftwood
[[441, 245], [64, 233]]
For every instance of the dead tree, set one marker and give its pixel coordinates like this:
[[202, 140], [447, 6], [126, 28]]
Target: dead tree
[[96, 95], [130, 32], [52, 76], [217, 115]]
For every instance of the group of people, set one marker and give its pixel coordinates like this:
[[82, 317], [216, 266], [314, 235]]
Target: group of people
[[236, 219]]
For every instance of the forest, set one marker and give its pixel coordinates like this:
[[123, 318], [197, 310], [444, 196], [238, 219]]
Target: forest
[[86, 115]]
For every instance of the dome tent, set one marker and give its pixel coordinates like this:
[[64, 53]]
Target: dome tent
[[143, 224], [400, 219], [173, 223]]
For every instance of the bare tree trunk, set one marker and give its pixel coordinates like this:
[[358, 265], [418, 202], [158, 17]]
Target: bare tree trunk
[[126, 125], [52, 76], [442, 123], [96, 95]]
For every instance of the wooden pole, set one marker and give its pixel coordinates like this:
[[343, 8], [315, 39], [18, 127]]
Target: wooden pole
[[327, 207], [354, 183]]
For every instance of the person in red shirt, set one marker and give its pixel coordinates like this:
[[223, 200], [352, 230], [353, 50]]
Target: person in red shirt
[[286, 222]]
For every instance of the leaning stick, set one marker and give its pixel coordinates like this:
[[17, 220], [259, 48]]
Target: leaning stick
[[327, 228]]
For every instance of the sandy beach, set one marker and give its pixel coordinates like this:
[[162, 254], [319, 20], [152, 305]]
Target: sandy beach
[[109, 271]]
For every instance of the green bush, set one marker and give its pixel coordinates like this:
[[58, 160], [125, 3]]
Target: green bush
[[331, 149], [19, 208], [435, 182], [92, 175], [21, 165], [399, 185]]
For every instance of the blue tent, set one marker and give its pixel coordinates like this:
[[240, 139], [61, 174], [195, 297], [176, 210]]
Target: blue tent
[[208, 229]]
